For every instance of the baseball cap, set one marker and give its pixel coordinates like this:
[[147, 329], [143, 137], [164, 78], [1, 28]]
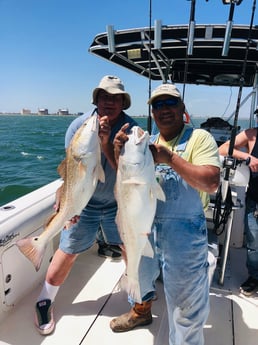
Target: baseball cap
[[164, 89]]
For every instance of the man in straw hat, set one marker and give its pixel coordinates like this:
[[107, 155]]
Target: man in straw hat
[[188, 168], [110, 99]]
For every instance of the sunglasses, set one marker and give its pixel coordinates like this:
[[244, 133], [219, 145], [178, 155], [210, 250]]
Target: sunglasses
[[170, 102]]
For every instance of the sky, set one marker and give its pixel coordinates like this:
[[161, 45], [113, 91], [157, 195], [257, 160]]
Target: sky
[[45, 62]]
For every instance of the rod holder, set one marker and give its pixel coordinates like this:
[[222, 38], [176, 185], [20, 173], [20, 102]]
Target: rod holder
[[191, 38], [157, 34], [227, 38], [111, 39]]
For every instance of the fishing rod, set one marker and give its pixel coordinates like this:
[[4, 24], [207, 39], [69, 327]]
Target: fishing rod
[[229, 161], [223, 196], [149, 122]]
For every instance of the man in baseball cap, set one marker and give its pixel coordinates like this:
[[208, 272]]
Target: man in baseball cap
[[164, 89]]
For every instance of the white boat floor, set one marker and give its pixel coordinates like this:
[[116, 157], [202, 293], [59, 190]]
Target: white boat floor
[[90, 298]]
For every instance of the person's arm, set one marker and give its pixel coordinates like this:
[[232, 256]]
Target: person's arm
[[201, 177], [243, 146], [107, 147], [241, 149]]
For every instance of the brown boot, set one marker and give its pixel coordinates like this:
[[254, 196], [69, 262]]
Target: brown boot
[[139, 315]]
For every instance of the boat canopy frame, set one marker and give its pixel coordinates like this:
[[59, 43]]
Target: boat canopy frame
[[135, 50]]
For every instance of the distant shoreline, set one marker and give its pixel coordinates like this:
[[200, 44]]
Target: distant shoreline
[[36, 114], [55, 114]]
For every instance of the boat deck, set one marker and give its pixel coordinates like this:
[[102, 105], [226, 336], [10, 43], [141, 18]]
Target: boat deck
[[90, 298]]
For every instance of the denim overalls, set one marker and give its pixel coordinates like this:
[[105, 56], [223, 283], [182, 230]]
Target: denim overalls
[[179, 236]]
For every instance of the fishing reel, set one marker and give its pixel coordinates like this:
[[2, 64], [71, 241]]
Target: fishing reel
[[234, 173], [232, 163]]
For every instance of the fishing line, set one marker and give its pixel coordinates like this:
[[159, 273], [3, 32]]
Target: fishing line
[[229, 101]]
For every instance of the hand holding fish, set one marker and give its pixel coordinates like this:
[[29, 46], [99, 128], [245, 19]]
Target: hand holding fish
[[104, 129], [120, 139], [161, 154], [106, 146]]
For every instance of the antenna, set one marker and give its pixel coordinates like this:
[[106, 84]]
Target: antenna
[[149, 108]]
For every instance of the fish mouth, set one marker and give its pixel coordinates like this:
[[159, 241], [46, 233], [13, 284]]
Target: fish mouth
[[139, 135]]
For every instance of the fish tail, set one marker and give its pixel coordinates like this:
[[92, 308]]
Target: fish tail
[[33, 249], [132, 287]]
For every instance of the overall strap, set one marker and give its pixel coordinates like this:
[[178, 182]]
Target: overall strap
[[184, 139], [153, 138]]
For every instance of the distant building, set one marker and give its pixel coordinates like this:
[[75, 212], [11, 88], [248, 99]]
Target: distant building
[[63, 112], [25, 111], [43, 111]]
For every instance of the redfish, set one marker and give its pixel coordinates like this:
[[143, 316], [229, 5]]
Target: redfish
[[136, 191], [80, 170]]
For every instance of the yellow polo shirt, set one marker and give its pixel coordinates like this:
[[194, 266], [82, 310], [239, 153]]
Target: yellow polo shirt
[[201, 149]]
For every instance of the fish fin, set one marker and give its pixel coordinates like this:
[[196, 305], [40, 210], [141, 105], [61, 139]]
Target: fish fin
[[148, 250], [61, 168], [132, 287], [159, 192], [49, 219], [33, 249], [81, 169]]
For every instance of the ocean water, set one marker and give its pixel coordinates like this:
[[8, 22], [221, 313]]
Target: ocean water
[[31, 148]]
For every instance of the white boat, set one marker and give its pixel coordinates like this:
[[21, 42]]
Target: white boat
[[91, 297]]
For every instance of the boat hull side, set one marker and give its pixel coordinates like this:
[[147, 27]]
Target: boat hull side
[[21, 218]]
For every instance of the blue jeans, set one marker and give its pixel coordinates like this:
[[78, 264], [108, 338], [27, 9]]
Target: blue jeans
[[82, 235], [251, 232]]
